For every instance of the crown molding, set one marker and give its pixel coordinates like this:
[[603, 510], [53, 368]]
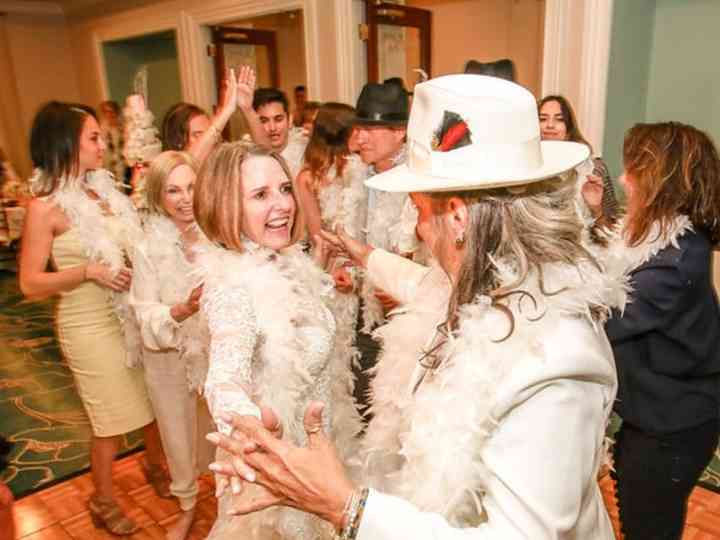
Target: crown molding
[[11, 7]]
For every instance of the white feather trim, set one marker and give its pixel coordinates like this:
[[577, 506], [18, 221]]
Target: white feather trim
[[163, 245], [436, 436], [107, 239], [284, 288], [635, 256], [343, 201]]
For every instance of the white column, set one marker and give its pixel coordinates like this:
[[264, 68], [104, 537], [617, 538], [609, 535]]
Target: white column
[[576, 57]]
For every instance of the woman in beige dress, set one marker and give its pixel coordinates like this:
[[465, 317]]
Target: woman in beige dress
[[81, 224]]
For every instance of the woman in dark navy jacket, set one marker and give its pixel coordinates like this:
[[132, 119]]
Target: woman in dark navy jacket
[[667, 341]]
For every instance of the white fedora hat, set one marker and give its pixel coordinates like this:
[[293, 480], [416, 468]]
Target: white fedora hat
[[475, 132]]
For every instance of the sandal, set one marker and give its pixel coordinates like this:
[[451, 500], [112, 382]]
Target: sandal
[[106, 514], [158, 479]]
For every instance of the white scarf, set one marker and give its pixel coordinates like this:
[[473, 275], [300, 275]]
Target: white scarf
[[164, 245], [101, 245]]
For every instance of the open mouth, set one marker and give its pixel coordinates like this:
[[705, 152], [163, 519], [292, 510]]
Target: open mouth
[[278, 224]]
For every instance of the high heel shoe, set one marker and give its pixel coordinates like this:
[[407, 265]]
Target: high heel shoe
[[106, 514], [158, 478]]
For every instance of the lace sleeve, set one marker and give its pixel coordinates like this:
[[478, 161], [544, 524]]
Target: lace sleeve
[[233, 335]]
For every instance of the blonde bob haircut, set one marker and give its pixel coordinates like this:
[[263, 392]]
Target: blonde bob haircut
[[218, 202], [160, 169]]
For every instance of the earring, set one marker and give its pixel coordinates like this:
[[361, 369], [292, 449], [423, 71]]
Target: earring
[[460, 240]]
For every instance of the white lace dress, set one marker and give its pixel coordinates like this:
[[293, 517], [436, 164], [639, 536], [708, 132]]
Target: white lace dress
[[271, 344]]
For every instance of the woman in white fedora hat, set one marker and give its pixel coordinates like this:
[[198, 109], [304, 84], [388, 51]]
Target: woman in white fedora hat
[[496, 427]]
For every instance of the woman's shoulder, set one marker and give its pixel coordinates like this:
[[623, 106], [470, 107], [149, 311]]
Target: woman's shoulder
[[44, 212]]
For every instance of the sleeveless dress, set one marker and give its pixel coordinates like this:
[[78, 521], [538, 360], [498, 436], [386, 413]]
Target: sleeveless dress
[[92, 342]]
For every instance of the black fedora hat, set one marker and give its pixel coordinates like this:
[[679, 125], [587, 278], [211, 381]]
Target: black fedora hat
[[382, 105], [503, 69]]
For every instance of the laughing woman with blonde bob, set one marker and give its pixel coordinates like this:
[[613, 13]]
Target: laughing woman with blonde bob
[[272, 334]]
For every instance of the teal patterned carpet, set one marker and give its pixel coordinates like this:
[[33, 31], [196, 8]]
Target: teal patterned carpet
[[40, 411]]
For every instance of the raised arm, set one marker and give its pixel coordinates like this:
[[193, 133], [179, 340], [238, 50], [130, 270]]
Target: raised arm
[[309, 202], [233, 336], [245, 93], [228, 103], [394, 274]]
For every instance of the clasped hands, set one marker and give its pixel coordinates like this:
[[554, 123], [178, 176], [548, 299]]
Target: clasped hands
[[341, 244], [310, 478]]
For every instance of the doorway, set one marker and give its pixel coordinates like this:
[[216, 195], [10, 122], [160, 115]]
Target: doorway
[[272, 44], [158, 54]]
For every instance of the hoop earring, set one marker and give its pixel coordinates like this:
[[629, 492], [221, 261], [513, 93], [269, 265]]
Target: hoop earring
[[460, 240]]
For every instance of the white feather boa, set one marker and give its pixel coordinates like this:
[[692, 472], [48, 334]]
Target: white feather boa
[[280, 284], [426, 447], [343, 201], [105, 239], [631, 257], [163, 245], [389, 227], [283, 287]]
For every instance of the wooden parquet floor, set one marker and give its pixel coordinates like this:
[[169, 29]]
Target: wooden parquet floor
[[59, 512]]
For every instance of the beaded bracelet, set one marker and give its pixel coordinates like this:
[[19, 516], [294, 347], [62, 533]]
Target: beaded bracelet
[[353, 512]]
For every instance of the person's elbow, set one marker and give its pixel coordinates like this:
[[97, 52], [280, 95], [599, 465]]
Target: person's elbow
[[29, 287]]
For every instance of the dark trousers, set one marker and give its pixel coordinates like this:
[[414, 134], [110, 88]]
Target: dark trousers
[[654, 476], [369, 351]]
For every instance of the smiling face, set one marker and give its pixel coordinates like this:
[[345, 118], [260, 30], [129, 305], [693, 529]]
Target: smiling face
[[92, 146], [177, 196], [268, 203], [274, 121], [553, 126]]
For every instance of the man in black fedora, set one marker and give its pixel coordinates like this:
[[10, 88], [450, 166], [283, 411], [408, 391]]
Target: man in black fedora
[[379, 134]]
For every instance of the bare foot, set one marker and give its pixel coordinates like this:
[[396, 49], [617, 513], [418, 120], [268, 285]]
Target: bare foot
[[180, 529]]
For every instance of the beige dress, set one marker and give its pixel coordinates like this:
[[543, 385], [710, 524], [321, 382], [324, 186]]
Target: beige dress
[[91, 339]]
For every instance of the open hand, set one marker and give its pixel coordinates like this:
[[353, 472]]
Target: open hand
[[592, 193], [357, 251], [245, 87], [230, 469], [229, 94], [311, 479]]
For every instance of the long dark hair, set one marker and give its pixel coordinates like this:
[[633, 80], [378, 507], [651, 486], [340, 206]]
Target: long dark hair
[[571, 125], [328, 143], [55, 139], [175, 130]]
